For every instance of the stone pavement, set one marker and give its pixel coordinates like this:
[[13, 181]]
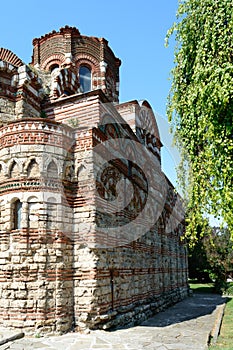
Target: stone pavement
[[184, 326]]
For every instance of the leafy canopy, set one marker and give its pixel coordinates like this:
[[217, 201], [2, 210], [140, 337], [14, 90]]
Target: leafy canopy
[[200, 107], [211, 258]]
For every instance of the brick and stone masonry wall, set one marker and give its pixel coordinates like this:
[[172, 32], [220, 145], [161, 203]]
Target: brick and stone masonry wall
[[116, 285], [123, 282], [60, 270], [36, 259], [74, 257]]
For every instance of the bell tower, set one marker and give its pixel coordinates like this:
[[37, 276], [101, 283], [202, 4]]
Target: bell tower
[[72, 63]]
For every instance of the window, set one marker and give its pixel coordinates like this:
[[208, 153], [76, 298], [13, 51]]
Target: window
[[17, 211], [85, 79], [54, 67]]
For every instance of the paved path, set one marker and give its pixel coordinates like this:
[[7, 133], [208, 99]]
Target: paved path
[[184, 326]]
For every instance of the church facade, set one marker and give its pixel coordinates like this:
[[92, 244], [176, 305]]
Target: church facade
[[90, 227]]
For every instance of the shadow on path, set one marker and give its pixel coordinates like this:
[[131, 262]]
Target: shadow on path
[[190, 308]]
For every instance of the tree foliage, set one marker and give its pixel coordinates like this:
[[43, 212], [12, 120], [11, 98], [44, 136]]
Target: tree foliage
[[199, 267], [219, 252], [212, 257], [200, 107]]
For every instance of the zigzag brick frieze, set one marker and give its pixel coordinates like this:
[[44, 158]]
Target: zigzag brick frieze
[[33, 133]]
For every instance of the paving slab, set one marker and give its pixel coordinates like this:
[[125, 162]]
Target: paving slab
[[187, 325]]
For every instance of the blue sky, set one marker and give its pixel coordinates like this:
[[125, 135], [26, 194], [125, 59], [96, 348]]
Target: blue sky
[[135, 30]]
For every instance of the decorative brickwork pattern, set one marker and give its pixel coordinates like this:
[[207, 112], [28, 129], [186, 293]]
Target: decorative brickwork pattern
[[8, 56], [68, 47], [90, 227]]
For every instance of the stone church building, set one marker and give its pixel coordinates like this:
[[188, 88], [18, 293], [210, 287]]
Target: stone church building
[[90, 227]]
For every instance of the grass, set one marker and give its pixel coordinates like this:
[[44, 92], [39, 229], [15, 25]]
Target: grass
[[198, 287], [225, 340], [229, 290]]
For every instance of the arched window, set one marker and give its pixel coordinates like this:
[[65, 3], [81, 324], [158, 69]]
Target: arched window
[[85, 79], [17, 212], [54, 67]]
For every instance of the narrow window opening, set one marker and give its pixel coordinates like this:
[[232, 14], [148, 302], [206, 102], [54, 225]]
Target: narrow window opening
[[17, 212], [85, 79]]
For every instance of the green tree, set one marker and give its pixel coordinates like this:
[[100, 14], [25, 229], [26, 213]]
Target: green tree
[[218, 249], [199, 267], [200, 108], [211, 258]]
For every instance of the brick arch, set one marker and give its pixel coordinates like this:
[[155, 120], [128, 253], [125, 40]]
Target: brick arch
[[54, 59], [8, 56], [88, 60], [93, 64]]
